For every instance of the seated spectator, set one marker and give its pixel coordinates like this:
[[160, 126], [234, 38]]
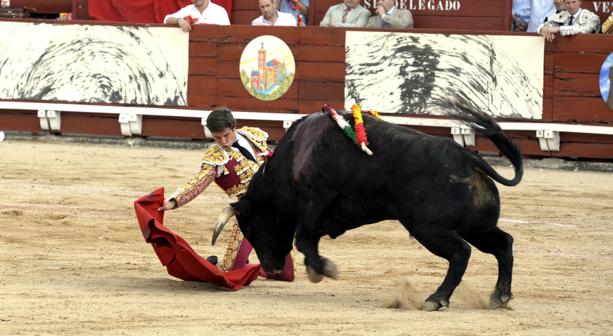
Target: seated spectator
[[540, 10], [572, 21], [607, 26], [347, 14], [388, 16], [520, 14], [295, 7], [200, 12], [271, 16]]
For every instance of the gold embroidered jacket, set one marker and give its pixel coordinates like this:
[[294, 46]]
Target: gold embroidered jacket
[[227, 167]]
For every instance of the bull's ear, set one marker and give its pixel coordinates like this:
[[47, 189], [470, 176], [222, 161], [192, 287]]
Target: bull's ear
[[243, 207]]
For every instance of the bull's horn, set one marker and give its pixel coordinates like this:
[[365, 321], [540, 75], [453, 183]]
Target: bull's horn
[[222, 219]]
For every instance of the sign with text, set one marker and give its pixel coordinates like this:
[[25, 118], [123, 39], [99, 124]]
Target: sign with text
[[422, 5]]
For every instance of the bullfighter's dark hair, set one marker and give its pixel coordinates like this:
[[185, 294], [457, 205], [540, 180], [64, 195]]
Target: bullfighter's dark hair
[[220, 119]]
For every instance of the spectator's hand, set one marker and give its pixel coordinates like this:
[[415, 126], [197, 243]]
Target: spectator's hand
[[185, 26], [168, 205], [548, 33], [380, 11]]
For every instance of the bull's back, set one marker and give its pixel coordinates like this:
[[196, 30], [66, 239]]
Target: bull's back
[[407, 168]]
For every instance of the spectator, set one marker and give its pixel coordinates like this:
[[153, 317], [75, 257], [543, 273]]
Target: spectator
[[347, 14], [520, 14], [540, 10], [199, 12], [295, 7], [388, 16], [572, 21], [271, 16], [607, 26]]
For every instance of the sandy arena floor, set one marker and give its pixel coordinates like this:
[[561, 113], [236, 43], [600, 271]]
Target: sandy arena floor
[[73, 261]]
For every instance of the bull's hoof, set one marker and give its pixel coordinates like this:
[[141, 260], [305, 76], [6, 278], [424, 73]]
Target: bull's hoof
[[330, 269], [435, 305], [314, 277], [499, 301]]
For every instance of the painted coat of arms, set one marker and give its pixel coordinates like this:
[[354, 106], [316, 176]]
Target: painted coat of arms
[[267, 67]]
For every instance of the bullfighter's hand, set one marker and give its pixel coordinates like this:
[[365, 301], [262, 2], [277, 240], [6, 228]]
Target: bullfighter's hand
[[168, 205]]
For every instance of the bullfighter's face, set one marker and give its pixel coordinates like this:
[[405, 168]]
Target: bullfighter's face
[[559, 4], [225, 138]]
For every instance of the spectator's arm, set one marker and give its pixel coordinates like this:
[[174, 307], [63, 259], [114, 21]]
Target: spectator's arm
[[325, 22], [361, 21], [174, 17], [401, 21], [224, 20]]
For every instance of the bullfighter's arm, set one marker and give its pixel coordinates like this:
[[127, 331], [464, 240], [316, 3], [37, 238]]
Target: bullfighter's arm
[[193, 188]]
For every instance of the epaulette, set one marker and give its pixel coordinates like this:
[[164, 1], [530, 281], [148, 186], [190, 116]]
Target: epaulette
[[255, 136], [215, 156]]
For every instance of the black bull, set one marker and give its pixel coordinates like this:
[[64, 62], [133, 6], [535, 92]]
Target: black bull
[[320, 183]]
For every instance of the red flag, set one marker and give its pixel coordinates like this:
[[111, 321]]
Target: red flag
[[174, 252]]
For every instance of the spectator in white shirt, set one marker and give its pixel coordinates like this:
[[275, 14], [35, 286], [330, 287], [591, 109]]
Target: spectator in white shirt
[[200, 12], [271, 16]]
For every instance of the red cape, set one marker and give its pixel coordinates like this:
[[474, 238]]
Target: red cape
[[175, 253]]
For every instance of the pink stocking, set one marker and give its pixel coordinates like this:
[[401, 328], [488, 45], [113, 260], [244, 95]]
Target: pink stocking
[[286, 275], [242, 255]]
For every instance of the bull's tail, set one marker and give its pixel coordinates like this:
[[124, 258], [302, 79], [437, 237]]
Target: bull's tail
[[486, 125]]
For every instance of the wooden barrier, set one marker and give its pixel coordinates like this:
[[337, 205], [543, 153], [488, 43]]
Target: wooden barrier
[[571, 91]]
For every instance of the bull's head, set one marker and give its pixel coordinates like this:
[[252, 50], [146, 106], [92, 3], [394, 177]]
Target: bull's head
[[265, 228]]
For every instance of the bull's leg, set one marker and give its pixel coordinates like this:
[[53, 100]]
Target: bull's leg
[[317, 266], [445, 244], [500, 244]]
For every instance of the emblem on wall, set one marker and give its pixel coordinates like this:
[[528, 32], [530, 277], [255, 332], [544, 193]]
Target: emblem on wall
[[606, 80], [267, 67]]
